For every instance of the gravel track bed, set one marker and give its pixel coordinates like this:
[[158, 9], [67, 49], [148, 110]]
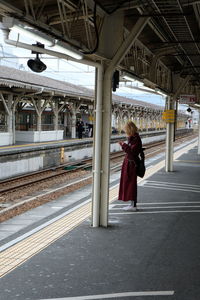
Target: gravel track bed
[[41, 200], [16, 196]]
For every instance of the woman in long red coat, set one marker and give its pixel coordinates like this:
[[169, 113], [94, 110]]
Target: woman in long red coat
[[128, 180]]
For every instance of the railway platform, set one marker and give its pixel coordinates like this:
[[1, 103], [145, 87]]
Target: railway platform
[[20, 147], [149, 254]]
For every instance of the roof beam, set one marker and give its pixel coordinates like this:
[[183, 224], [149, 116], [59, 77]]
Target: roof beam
[[175, 42], [99, 9], [5, 6]]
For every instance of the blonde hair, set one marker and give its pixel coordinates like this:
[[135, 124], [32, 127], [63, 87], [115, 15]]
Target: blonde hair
[[130, 128]]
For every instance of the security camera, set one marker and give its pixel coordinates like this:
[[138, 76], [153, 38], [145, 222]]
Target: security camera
[[36, 65]]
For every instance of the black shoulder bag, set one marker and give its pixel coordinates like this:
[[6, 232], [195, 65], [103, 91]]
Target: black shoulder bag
[[140, 167]]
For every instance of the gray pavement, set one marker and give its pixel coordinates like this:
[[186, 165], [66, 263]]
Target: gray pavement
[[151, 254]]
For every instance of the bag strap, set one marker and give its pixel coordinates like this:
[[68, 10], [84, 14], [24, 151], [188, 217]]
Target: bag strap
[[141, 154]]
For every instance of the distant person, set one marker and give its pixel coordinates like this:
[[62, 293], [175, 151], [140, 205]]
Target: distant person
[[90, 130], [80, 128], [128, 180]]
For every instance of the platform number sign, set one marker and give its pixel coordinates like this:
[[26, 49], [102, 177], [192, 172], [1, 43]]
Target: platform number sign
[[187, 99]]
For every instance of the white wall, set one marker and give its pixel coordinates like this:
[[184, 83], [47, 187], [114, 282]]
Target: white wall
[[78, 154], [5, 138], [23, 166], [37, 136]]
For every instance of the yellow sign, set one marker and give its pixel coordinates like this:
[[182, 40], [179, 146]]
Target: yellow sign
[[169, 116], [62, 155], [91, 118]]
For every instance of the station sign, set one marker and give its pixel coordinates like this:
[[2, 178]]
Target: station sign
[[169, 115], [187, 99]]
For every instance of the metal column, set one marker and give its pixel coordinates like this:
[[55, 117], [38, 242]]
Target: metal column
[[106, 123], [169, 138], [97, 150], [199, 135]]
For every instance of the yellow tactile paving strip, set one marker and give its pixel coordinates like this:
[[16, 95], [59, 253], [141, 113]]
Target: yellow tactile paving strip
[[23, 250], [17, 254]]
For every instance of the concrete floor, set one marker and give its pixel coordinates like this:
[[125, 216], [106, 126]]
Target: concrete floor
[[150, 254]]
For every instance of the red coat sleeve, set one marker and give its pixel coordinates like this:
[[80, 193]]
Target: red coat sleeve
[[133, 149]]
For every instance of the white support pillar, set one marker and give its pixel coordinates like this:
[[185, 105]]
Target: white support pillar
[[128, 114], [114, 117], [97, 150], [38, 109], [103, 166], [199, 135], [120, 120], [55, 119], [39, 122], [74, 110], [8, 105], [10, 115], [13, 119], [73, 133], [169, 138], [105, 148], [65, 123]]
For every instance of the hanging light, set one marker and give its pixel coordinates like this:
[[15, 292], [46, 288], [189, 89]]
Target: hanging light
[[34, 34]]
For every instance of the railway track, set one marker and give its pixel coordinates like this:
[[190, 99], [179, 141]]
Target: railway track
[[54, 172], [23, 181], [12, 197], [36, 177]]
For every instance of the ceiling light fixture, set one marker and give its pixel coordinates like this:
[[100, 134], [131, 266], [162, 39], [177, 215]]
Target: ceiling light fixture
[[34, 34], [197, 105], [67, 49], [130, 76], [161, 92]]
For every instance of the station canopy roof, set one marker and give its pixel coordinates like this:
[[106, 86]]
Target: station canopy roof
[[172, 33], [23, 83]]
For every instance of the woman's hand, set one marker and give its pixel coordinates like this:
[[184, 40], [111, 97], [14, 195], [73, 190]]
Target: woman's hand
[[121, 143]]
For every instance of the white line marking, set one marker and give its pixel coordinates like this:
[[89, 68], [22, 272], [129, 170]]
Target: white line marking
[[57, 207], [117, 295], [111, 206], [156, 212], [160, 203], [155, 168], [171, 183], [171, 188], [174, 206]]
